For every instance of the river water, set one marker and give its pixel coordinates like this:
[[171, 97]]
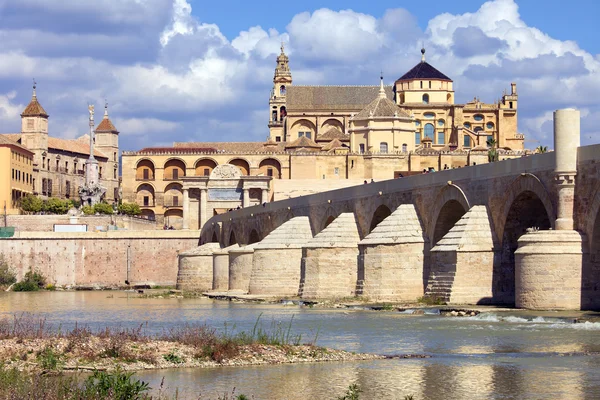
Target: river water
[[495, 355]]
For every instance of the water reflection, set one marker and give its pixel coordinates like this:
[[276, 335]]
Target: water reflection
[[472, 358]]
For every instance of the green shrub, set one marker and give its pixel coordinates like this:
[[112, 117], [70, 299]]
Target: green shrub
[[115, 385], [173, 358], [49, 359], [32, 281], [7, 275], [56, 206], [31, 203], [88, 210], [75, 203], [103, 208], [129, 209], [352, 393]]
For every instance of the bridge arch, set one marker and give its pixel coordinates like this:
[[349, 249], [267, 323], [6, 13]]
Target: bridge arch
[[450, 205], [590, 283], [232, 239], [526, 205], [254, 237], [381, 213]]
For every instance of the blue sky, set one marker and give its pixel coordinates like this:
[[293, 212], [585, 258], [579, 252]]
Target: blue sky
[[190, 70]]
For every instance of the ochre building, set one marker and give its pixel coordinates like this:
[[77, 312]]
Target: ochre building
[[16, 174], [322, 138], [59, 164]]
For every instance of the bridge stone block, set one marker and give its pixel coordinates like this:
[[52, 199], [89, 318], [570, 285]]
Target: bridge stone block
[[392, 258], [195, 272], [278, 257], [548, 271], [330, 261], [221, 269], [240, 268], [462, 262]]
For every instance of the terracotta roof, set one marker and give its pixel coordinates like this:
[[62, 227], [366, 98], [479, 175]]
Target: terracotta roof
[[348, 98], [6, 141], [187, 150], [81, 145], [424, 70], [335, 144], [303, 142], [106, 126], [333, 133], [233, 147], [34, 109], [73, 146], [381, 107]]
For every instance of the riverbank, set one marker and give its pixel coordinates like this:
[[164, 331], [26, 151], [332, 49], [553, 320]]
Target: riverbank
[[29, 344]]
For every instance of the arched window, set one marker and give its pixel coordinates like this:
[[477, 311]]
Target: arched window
[[417, 138], [429, 131], [383, 147], [467, 125], [282, 90], [425, 98], [441, 122], [282, 113], [489, 125], [404, 147]]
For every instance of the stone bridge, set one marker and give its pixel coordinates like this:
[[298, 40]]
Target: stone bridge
[[522, 232]]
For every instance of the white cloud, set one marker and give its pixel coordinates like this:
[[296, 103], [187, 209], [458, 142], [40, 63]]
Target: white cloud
[[9, 111], [145, 126], [166, 70]]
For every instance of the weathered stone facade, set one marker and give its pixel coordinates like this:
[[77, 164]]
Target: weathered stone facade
[[467, 241]]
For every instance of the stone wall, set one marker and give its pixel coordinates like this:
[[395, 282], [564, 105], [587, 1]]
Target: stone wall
[[99, 258], [45, 223]]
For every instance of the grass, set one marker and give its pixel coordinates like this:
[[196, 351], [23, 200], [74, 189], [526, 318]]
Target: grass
[[123, 343], [431, 301]]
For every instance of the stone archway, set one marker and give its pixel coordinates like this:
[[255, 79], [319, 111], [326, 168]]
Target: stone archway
[[381, 213], [449, 207], [590, 277], [254, 237], [525, 211], [232, 239]]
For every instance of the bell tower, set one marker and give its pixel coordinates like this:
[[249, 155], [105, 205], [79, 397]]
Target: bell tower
[[107, 141], [34, 127], [277, 103]]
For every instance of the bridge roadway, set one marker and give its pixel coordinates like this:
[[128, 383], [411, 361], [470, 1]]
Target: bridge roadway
[[521, 232]]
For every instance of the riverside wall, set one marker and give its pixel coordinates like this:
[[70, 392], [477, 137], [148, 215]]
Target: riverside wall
[[99, 258], [45, 223]]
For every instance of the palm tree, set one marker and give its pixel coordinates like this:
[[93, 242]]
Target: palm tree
[[541, 149], [492, 152]]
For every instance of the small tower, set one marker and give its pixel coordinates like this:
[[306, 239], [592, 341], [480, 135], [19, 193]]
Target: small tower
[[277, 103], [34, 127], [107, 141]]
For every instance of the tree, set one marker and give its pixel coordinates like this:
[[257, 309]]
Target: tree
[[493, 151], [56, 206], [31, 203], [103, 208], [130, 209], [541, 149]]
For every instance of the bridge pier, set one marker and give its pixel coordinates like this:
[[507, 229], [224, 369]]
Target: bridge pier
[[278, 257], [221, 269], [392, 258], [195, 272], [240, 268], [330, 261], [548, 264], [462, 262]]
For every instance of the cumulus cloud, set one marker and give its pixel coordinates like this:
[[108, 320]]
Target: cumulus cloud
[[171, 76], [471, 41]]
